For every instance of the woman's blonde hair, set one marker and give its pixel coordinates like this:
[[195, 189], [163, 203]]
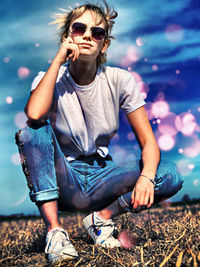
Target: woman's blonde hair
[[64, 20]]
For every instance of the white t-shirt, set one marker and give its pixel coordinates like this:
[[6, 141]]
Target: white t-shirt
[[85, 118]]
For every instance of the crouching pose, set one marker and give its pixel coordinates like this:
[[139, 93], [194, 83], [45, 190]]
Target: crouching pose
[[73, 112]]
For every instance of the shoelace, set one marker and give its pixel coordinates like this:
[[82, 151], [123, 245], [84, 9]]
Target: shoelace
[[60, 237]]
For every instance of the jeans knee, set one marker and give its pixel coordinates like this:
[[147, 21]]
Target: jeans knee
[[35, 134], [168, 179], [23, 136]]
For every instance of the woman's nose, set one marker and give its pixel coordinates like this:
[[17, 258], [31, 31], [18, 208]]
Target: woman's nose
[[87, 33]]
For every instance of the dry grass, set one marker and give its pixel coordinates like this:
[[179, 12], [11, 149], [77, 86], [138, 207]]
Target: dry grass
[[165, 236]]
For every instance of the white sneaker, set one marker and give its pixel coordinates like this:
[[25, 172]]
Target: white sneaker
[[58, 245], [101, 230]]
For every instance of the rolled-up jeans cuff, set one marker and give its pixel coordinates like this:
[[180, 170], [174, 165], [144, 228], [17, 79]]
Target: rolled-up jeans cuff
[[45, 195]]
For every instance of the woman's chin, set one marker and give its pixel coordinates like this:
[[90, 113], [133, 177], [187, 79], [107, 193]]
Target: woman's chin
[[86, 57]]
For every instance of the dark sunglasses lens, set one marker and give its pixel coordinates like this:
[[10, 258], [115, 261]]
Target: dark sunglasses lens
[[98, 33], [78, 28]]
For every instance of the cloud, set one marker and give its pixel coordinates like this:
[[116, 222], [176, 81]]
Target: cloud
[[150, 20], [140, 16]]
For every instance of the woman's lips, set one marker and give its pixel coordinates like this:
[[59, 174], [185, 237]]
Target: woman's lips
[[86, 44]]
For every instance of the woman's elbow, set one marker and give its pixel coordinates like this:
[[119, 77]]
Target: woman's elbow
[[34, 116]]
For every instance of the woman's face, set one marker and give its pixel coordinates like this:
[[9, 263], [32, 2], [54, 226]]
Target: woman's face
[[89, 47]]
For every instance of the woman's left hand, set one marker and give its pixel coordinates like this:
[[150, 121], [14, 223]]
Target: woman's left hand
[[143, 193]]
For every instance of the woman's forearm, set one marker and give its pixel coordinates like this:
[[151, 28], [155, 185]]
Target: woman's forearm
[[150, 152], [151, 159], [40, 101]]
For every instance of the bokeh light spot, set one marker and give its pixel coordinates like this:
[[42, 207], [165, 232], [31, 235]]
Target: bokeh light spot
[[180, 150], [148, 108], [144, 88], [9, 99], [15, 158], [130, 136], [196, 182], [116, 137], [140, 41], [174, 33], [136, 76], [193, 150], [166, 142], [160, 96], [20, 119], [144, 95], [119, 154], [6, 59], [126, 240], [23, 72], [191, 166], [133, 53], [167, 124], [155, 67], [183, 167], [186, 123], [160, 109]]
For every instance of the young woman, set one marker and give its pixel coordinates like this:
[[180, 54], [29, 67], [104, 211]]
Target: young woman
[[73, 112]]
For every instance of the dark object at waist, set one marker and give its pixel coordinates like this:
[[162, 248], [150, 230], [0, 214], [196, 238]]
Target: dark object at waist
[[90, 159], [94, 156]]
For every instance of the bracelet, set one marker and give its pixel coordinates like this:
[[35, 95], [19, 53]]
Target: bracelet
[[150, 179]]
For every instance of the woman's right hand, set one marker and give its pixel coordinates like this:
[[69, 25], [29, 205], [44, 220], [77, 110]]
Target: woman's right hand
[[67, 50]]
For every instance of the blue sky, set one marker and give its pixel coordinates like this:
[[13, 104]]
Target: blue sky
[[159, 40]]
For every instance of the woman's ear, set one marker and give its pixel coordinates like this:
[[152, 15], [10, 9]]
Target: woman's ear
[[105, 46]]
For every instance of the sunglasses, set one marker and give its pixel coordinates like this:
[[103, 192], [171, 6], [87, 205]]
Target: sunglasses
[[78, 29]]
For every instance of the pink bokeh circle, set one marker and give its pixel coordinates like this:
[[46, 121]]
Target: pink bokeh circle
[[23, 72]]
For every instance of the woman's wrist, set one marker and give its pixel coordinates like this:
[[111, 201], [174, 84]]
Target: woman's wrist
[[150, 178], [57, 62]]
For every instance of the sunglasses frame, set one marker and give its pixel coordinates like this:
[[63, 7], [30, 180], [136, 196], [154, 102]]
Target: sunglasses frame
[[92, 29]]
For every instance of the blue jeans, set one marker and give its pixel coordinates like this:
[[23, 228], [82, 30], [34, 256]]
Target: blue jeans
[[87, 183]]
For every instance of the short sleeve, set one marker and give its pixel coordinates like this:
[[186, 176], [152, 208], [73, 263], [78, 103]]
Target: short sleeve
[[130, 97], [37, 80]]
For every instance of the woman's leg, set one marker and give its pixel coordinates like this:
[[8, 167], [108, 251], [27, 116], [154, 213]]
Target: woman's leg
[[115, 188], [168, 183], [37, 156], [41, 158], [103, 182], [46, 169], [49, 213]]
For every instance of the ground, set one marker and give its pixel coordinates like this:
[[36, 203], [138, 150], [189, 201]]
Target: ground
[[163, 236]]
